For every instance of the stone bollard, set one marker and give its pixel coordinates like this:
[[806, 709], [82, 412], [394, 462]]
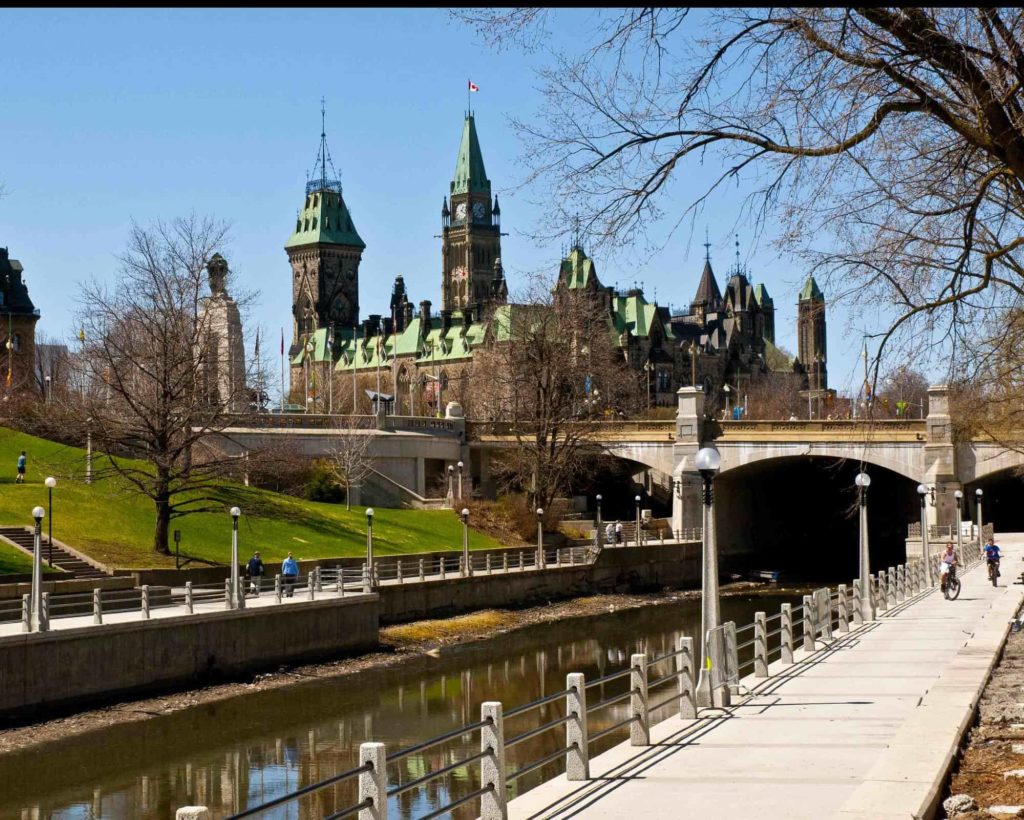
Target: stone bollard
[[442, 567], [311, 585], [577, 762], [366, 579], [810, 623], [26, 613], [44, 614], [786, 638], [145, 601], [277, 588], [826, 624], [760, 645], [639, 729], [492, 768], [901, 582], [844, 609], [373, 784], [858, 592], [891, 586], [686, 671], [319, 585], [488, 564], [189, 598], [882, 597], [422, 575], [227, 593], [97, 606], [398, 570], [193, 813], [504, 562]]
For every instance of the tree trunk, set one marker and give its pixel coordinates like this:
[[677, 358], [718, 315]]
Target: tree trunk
[[163, 522], [348, 497]]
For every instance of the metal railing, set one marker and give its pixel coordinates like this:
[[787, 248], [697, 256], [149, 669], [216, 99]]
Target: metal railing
[[665, 685]]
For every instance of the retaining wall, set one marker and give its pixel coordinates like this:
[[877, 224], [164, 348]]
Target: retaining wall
[[48, 670]]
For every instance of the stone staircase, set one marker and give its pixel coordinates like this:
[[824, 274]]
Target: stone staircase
[[62, 559]]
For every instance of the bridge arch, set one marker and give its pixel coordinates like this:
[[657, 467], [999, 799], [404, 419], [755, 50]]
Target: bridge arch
[[1002, 501], [901, 458]]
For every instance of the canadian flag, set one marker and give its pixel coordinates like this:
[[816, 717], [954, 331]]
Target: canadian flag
[[473, 86]]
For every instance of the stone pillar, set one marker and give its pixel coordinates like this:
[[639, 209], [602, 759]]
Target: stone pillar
[[421, 477], [686, 485], [939, 460], [221, 332]]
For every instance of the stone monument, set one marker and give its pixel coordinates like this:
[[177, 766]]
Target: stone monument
[[223, 351]]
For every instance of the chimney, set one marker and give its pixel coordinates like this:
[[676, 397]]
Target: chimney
[[389, 326], [367, 329], [375, 322], [446, 320], [425, 312], [406, 314], [467, 317]]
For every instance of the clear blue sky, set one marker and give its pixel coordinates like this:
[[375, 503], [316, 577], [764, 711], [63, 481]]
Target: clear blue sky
[[114, 115]]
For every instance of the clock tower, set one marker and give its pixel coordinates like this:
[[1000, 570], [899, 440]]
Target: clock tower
[[324, 251], [471, 233]]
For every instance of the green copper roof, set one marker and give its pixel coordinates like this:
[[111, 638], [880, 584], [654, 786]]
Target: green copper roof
[[636, 314], [578, 269], [470, 176], [811, 291], [325, 218], [762, 296]]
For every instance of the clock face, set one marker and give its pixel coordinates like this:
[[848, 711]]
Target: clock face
[[460, 211], [479, 211], [459, 274]]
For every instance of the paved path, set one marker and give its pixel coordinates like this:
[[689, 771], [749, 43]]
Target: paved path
[[864, 728]]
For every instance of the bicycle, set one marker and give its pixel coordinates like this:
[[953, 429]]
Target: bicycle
[[951, 587], [993, 571]]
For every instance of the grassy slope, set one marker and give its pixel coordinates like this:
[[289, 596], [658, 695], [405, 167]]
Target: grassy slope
[[116, 527]]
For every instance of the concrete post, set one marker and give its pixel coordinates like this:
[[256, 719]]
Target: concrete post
[[787, 633], [639, 729], [240, 593], [373, 785], [44, 614], [891, 586], [442, 568], [810, 623], [883, 594], [844, 609], [577, 763], [145, 601], [422, 576], [277, 588], [826, 623], [492, 768], [26, 613], [858, 602], [686, 686], [192, 813], [488, 563], [316, 575], [901, 583], [97, 606], [366, 578], [504, 562], [311, 585], [227, 593], [760, 645], [398, 570]]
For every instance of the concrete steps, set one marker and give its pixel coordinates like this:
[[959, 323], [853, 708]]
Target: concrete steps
[[62, 559]]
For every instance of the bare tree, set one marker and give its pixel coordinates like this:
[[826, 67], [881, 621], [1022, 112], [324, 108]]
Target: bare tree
[[774, 396], [543, 357], [902, 393], [896, 132], [348, 460], [52, 368], [148, 404]]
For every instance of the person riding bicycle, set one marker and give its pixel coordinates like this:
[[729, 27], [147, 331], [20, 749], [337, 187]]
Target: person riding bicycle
[[992, 556], [947, 563]]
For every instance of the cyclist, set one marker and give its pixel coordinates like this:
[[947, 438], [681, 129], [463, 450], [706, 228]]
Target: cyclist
[[947, 563], [992, 558]]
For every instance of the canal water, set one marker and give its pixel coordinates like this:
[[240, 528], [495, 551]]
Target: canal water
[[244, 751]]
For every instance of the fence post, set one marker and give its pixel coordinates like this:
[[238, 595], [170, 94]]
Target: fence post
[[504, 562], [44, 614], [373, 785], [366, 578], [760, 645], [577, 763], [844, 609], [881, 597], [639, 729], [826, 624], [97, 606], [422, 576], [891, 586], [810, 626], [26, 614], [227, 593], [145, 601], [240, 592], [786, 655], [311, 585], [685, 681], [316, 578], [858, 617], [442, 567], [398, 570], [488, 563], [901, 583], [492, 768], [277, 587]]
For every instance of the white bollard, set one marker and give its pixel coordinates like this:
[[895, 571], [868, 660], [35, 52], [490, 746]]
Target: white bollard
[[492, 768], [145, 601], [97, 606], [577, 763], [685, 669], [844, 609], [786, 655], [193, 813], [760, 645], [373, 785], [639, 729]]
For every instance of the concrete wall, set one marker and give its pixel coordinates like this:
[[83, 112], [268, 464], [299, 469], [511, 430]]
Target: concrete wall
[[629, 569], [48, 670]]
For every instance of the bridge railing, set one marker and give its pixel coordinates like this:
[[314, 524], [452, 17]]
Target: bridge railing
[[647, 691]]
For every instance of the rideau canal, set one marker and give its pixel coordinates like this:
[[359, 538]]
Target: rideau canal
[[241, 752]]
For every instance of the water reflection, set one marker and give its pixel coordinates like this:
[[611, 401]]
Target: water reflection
[[248, 750]]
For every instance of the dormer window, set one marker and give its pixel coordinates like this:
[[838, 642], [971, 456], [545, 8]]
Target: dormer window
[[298, 225], [307, 224], [314, 223]]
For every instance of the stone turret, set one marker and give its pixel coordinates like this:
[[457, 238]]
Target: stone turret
[[221, 333]]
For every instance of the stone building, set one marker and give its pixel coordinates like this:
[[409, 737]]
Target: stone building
[[18, 317], [223, 355]]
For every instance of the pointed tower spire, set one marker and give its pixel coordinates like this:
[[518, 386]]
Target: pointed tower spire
[[470, 176], [707, 246]]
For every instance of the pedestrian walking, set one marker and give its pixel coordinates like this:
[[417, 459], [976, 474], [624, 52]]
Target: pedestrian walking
[[255, 569], [618, 532], [609, 533], [289, 574], [22, 461]]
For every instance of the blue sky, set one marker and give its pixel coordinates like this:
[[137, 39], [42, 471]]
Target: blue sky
[[112, 115]]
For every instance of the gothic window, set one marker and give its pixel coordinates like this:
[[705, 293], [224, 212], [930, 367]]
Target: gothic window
[[16, 342], [307, 224], [298, 225], [316, 199], [314, 223]]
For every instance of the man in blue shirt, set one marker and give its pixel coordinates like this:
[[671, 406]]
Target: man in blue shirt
[[289, 574], [992, 558], [255, 570], [22, 461]]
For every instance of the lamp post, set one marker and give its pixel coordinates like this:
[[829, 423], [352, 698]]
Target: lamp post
[[648, 369], [708, 462], [727, 389], [36, 623], [49, 389], [467, 569], [981, 534], [959, 496], [450, 497], [50, 482], [922, 491], [237, 598], [637, 500], [88, 450], [540, 538], [369, 546], [867, 609], [599, 533], [460, 465]]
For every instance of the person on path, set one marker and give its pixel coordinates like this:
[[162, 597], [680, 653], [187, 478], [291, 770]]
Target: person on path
[[992, 555], [22, 461], [289, 574], [947, 561], [609, 533], [618, 532], [255, 569]]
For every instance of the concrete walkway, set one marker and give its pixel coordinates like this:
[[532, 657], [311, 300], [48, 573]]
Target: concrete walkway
[[864, 728]]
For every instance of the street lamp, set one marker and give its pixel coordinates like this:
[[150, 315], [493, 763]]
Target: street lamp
[[460, 480], [451, 477], [599, 521], [708, 461], [922, 491], [637, 500], [88, 450], [727, 389], [981, 535], [49, 390], [36, 622], [467, 569], [648, 369], [867, 609], [369, 547], [237, 596], [540, 538], [959, 496], [50, 482]]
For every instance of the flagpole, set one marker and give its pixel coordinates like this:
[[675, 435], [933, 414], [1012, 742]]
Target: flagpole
[[355, 349], [330, 372], [282, 370]]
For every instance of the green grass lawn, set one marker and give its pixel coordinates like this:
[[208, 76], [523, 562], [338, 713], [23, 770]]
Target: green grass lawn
[[116, 527]]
